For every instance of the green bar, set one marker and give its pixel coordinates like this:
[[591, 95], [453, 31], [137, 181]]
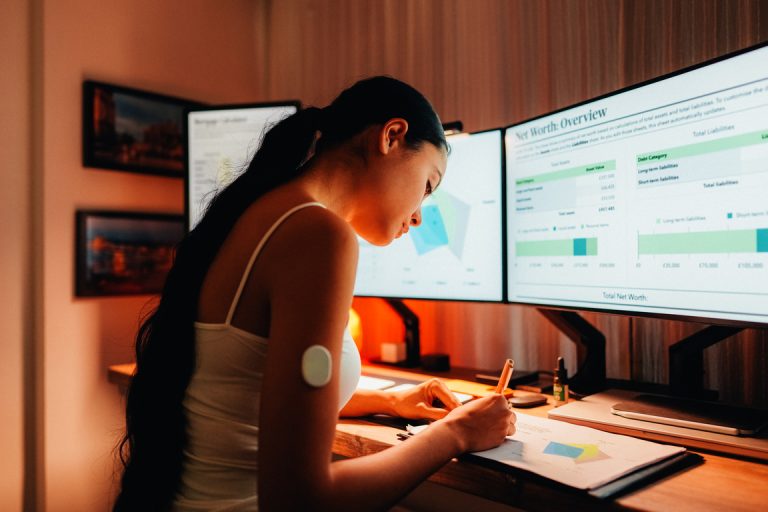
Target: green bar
[[703, 242], [591, 246], [701, 148], [545, 248], [564, 247], [573, 172]]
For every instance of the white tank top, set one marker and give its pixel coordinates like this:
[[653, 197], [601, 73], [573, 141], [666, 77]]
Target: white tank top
[[220, 469]]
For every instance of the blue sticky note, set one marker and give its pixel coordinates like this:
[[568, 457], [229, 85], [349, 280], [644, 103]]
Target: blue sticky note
[[563, 450]]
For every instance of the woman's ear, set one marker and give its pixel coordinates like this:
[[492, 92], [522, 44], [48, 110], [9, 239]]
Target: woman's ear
[[392, 135]]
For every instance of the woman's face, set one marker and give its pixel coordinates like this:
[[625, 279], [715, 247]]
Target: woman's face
[[396, 181]]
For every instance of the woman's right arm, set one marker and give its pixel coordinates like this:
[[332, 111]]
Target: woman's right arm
[[376, 482], [310, 293]]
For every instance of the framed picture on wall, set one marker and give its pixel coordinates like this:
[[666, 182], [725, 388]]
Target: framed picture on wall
[[124, 253], [128, 129]]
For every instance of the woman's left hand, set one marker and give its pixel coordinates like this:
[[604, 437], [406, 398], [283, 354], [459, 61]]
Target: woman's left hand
[[419, 402]]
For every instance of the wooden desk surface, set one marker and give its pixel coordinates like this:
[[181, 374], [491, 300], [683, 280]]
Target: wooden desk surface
[[719, 483]]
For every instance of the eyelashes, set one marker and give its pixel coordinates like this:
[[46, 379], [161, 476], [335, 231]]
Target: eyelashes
[[428, 189]]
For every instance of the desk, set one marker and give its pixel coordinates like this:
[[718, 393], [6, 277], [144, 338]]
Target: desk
[[720, 483]]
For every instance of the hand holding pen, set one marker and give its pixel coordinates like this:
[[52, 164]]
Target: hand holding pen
[[486, 421]]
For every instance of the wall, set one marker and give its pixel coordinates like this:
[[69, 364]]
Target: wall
[[195, 49], [495, 62], [15, 134]]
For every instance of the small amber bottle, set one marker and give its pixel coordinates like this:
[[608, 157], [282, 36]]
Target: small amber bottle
[[560, 383]]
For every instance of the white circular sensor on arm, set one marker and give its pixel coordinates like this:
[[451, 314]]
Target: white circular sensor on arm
[[316, 366]]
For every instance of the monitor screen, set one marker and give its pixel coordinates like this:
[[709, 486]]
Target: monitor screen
[[650, 200], [456, 252], [220, 143]]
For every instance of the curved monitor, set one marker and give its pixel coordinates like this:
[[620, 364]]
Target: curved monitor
[[651, 200], [221, 140], [456, 252]]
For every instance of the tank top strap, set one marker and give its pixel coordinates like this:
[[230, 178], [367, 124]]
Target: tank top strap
[[256, 252]]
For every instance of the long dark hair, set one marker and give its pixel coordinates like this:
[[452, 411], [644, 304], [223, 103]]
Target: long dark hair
[[155, 436]]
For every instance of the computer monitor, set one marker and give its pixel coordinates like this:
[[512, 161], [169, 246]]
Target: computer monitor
[[652, 200], [221, 140], [456, 252]]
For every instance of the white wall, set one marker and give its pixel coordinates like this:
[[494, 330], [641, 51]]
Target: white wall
[[14, 240], [198, 49]]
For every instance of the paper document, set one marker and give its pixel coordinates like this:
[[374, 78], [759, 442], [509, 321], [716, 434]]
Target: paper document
[[573, 455], [581, 457], [373, 383]]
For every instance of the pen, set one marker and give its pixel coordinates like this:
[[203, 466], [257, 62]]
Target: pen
[[506, 374]]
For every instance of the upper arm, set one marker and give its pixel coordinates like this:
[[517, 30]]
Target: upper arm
[[311, 263]]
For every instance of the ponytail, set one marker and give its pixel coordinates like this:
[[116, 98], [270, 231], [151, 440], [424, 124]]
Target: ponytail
[[151, 451]]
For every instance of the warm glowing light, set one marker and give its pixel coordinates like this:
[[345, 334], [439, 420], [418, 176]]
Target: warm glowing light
[[356, 329]]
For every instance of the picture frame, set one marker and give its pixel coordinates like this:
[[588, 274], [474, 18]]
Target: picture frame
[[126, 129], [124, 253]]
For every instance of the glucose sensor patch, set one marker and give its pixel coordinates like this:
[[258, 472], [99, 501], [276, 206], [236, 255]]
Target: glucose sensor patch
[[316, 366]]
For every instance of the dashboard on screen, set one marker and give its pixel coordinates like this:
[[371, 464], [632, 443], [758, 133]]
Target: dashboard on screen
[[456, 252], [650, 200], [220, 143]]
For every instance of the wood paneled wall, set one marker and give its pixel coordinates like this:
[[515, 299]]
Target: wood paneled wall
[[496, 62]]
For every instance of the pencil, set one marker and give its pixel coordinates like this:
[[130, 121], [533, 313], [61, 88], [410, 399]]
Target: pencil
[[506, 374]]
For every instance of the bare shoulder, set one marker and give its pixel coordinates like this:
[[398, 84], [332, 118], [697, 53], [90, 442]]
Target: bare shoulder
[[314, 239], [319, 228]]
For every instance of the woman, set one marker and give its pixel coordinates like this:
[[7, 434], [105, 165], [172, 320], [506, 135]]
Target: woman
[[245, 366]]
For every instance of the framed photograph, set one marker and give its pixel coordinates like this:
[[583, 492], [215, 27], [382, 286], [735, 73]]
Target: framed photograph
[[124, 253], [131, 130]]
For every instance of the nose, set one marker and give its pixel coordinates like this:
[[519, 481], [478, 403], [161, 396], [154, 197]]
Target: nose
[[416, 218]]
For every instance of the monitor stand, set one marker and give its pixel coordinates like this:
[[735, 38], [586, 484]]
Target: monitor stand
[[686, 361], [412, 339], [690, 404], [590, 344]]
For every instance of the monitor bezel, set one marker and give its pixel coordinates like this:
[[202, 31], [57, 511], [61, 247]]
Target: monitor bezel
[[208, 108], [642, 314], [503, 299]]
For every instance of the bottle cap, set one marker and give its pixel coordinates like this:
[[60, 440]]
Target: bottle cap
[[561, 372]]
